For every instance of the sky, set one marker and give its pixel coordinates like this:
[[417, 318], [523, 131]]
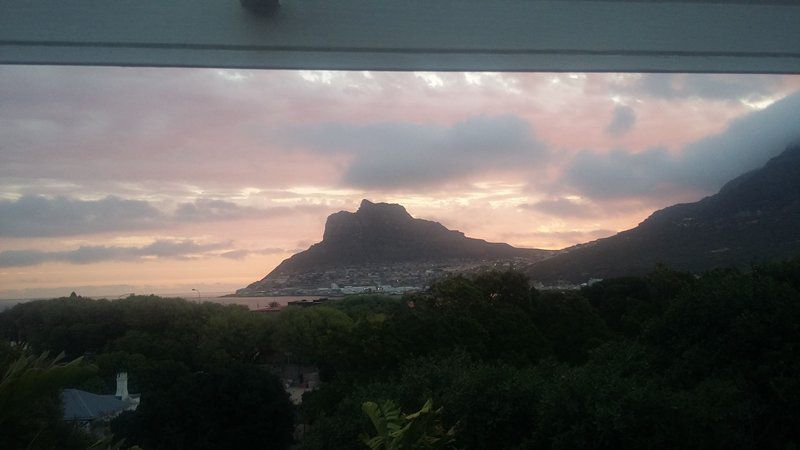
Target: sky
[[117, 180]]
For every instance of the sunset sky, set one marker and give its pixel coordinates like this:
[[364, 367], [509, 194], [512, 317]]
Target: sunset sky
[[116, 180]]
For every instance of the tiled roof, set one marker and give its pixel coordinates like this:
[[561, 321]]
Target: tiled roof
[[82, 405]]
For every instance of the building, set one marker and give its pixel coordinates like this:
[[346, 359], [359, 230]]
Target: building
[[94, 411]]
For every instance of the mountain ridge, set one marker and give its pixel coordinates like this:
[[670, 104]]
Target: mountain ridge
[[386, 234], [754, 217]]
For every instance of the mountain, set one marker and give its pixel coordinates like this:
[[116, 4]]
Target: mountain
[[384, 234], [754, 217]]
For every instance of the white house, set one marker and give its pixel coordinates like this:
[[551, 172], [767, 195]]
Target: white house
[[95, 410]]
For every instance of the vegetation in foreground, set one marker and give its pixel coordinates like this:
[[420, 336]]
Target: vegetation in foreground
[[200, 369], [668, 360]]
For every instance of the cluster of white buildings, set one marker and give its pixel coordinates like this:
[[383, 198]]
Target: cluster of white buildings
[[376, 289]]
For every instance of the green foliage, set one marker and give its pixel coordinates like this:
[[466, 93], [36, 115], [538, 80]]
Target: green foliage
[[493, 404], [231, 408], [570, 324], [627, 304], [595, 406], [786, 272], [29, 377], [311, 334], [506, 288], [30, 412], [395, 431], [198, 367], [141, 327], [667, 360], [475, 315], [359, 307], [334, 413]]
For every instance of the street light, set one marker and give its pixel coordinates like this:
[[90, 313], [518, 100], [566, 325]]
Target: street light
[[198, 293]]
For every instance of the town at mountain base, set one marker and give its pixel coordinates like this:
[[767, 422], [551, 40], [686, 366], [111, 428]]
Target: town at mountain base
[[382, 248]]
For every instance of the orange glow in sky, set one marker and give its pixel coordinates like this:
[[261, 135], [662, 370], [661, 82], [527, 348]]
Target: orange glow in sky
[[164, 180]]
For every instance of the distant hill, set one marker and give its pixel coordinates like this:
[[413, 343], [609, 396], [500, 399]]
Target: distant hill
[[754, 217], [385, 234]]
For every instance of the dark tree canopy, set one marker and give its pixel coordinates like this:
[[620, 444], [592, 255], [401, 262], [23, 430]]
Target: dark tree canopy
[[665, 360], [198, 367]]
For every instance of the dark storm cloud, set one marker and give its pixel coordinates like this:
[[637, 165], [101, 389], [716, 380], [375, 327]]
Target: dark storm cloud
[[61, 216], [622, 122], [705, 165], [398, 155], [100, 126], [170, 249], [208, 210], [619, 173], [205, 209], [39, 216]]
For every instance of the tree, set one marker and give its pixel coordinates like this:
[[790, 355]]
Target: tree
[[30, 402], [312, 334], [396, 431], [235, 407]]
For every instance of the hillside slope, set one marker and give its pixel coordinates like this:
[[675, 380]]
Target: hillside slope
[[385, 234], [752, 218]]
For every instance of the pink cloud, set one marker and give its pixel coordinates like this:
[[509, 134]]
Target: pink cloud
[[171, 136]]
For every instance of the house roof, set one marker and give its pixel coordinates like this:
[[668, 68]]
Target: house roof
[[81, 405]]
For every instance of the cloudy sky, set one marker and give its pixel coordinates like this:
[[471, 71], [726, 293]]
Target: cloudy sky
[[117, 179]]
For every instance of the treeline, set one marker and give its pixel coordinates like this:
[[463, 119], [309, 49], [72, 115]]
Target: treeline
[[200, 370], [668, 360]]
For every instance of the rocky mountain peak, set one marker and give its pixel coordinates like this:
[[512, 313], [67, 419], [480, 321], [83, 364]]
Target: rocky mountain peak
[[370, 219], [388, 210], [385, 233]]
